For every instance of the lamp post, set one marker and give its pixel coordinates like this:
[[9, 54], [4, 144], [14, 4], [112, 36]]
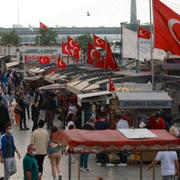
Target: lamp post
[[121, 46]]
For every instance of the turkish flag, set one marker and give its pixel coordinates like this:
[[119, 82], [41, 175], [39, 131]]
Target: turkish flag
[[65, 48], [166, 28], [43, 26], [100, 61], [61, 64], [44, 60], [143, 33], [91, 53], [98, 42], [112, 87], [71, 42], [111, 63]]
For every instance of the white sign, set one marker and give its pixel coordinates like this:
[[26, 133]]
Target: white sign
[[137, 133], [32, 54], [130, 47]]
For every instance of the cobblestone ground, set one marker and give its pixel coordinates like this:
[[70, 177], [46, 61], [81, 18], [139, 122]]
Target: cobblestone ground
[[131, 172]]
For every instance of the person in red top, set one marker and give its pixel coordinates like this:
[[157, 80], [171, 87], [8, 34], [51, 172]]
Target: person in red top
[[156, 122]]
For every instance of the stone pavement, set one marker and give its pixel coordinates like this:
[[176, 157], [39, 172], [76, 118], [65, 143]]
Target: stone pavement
[[131, 172]]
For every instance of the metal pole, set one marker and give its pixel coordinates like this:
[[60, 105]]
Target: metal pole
[[121, 47], [152, 45], [154, 172], [141, 166], [39, 40], [137, 60], [69, 166], [18, 11], [79, 175]]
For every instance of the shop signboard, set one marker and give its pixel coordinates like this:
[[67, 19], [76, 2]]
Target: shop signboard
[[31, 55], [155, 104]]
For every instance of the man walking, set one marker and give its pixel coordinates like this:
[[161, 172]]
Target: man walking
[[7, 149], [35, 111], [4, 116], [30, 166], [40, 139], [169, 164]]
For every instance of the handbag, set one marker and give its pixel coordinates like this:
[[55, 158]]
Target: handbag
[[114, 158]]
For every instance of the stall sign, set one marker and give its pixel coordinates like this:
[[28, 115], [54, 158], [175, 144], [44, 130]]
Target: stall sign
[[31, 55], [145, 104]]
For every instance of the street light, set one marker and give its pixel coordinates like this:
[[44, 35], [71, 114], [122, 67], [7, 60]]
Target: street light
[[122, 24]]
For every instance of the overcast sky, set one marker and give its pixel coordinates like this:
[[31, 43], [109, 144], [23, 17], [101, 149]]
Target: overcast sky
[[74, 12]]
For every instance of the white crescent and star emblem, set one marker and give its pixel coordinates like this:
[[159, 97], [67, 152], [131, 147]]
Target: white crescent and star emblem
[[92, 53], [171, 23], [60, 63], [99, 42], [43, 60], [66, 48], [141, 32], [71, 43]]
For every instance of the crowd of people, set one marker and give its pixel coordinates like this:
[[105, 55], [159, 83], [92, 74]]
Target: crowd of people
[[17, 106]]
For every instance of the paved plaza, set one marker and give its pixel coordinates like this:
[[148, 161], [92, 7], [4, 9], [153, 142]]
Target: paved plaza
[[131, 172]]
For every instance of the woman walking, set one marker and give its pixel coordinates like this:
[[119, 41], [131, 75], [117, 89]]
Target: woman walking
[[55, 153]]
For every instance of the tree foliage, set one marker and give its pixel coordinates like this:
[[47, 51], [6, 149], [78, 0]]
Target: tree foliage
[[46, 37], [10, 38], [83, 41]]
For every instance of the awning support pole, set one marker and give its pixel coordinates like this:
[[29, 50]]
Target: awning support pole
[[69, 166], [154, 173], [79, 166], [141, 167]]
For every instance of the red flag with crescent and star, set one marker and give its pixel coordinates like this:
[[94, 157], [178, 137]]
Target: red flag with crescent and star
[[98, 42], [74, 48], [42, 26], [143, 33], [61, 64], [166, 28], [110, 63], [91, 53], [99, 60], [65, 48], [44, 60], [112, 87]]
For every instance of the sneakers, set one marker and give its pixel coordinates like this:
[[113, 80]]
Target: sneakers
[[59, 177], [99, 164], [110, 165], [85, 169], [122, 164]]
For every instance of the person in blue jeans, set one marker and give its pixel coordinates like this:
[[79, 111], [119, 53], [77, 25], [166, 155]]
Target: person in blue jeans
[[84, 157], [7, 152]]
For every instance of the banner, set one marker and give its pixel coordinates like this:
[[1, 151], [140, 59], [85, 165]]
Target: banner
[[31, 55], [130, 47]]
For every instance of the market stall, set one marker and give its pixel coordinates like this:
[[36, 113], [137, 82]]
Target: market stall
[[84, 141], [91, 101], [140, 104]]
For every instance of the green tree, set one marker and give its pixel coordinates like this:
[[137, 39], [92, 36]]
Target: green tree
[[83, 41], [10, 38], [46, 37]]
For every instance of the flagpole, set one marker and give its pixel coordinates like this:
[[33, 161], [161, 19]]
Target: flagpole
[[18, 11], [152, 44], [121, 47], [137, 60]]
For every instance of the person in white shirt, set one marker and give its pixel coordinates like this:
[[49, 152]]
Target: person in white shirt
[[39, 139], [169, 164], [122, 124]]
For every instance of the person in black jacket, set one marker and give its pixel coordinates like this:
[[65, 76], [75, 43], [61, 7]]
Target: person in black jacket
[[22, 113], [4, 116], [35, 110], [84, 157]]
